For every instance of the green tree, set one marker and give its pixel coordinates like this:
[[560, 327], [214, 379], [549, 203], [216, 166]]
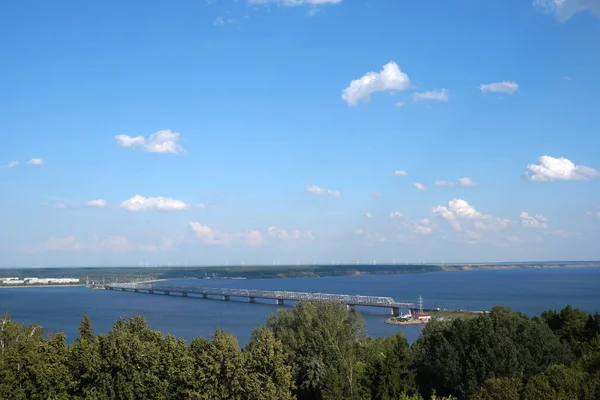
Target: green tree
[[499, 389], [269, 376], [558, 382], [86, 333], [458, 357], [219, 369], [321, 340], [389, 370]]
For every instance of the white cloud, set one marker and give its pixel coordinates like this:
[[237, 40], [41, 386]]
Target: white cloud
[[461, 182], [459, 212], [116, 244], [141, 203], [222, 20], [11, 164], [400, 104], [423, 226], [252, 238], [500, 87], [565, 9], [368, 215], [159, 142], [390, 78], [537, 221], [396, 214], [456, 209], [97, 203], [59, 205], [466, 182], [439, 95], [444, 183], [399, 172], [420, 186], [208, 235], [314, 189], [551, 168], [35, 161], [60, 244], [595, 213], [276, 232], [293, 3]]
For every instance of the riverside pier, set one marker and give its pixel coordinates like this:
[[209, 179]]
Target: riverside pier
[[278, 295]]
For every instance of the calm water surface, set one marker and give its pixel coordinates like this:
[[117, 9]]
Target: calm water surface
[[530, 291]]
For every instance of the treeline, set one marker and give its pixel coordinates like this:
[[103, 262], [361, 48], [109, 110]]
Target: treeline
[[313, 351]]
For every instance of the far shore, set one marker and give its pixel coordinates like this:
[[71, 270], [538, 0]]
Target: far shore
[[39, 286], [150, 281]]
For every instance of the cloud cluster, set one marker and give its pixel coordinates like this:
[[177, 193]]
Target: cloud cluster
[[159, 142], [116, 244], [34, 161], [399, 172], [141, 203], [97, 203], [279, 233], [500, 87], [462, 216], [210, 236], [314, 189], [551, 168], [531, 221], [390, 78], [461, 182], [420, 187], [422, 226], [11, 164], [439, 95], [565, 9]]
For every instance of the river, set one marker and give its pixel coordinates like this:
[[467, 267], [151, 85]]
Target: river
[[530, 291]]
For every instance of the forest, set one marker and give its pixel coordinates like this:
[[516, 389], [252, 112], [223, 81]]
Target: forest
[[314, 350]]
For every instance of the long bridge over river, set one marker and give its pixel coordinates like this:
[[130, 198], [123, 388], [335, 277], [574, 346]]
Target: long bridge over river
[[278, 295]]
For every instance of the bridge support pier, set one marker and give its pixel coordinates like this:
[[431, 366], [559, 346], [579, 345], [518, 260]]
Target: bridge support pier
[[351, 307], [136, 290], [395, 311], [184, 294], [151, 291], [225, 297], [204, 296], [279, 302], [251, 300], [167, 293], [123, 290]]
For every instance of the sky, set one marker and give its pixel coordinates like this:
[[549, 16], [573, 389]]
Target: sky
[[225, 132]]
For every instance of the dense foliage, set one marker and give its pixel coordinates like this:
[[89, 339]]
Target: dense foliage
[[313, 351]]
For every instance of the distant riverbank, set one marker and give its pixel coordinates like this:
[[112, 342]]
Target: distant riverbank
[[38, 286], [99, 275]]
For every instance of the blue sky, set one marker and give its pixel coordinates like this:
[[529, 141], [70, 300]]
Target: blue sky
[[213, 132]]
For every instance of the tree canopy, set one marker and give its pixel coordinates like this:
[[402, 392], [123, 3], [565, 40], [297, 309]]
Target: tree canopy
[[315, 350]]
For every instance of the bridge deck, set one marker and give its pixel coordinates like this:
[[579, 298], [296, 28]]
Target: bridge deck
[[353, 300]]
